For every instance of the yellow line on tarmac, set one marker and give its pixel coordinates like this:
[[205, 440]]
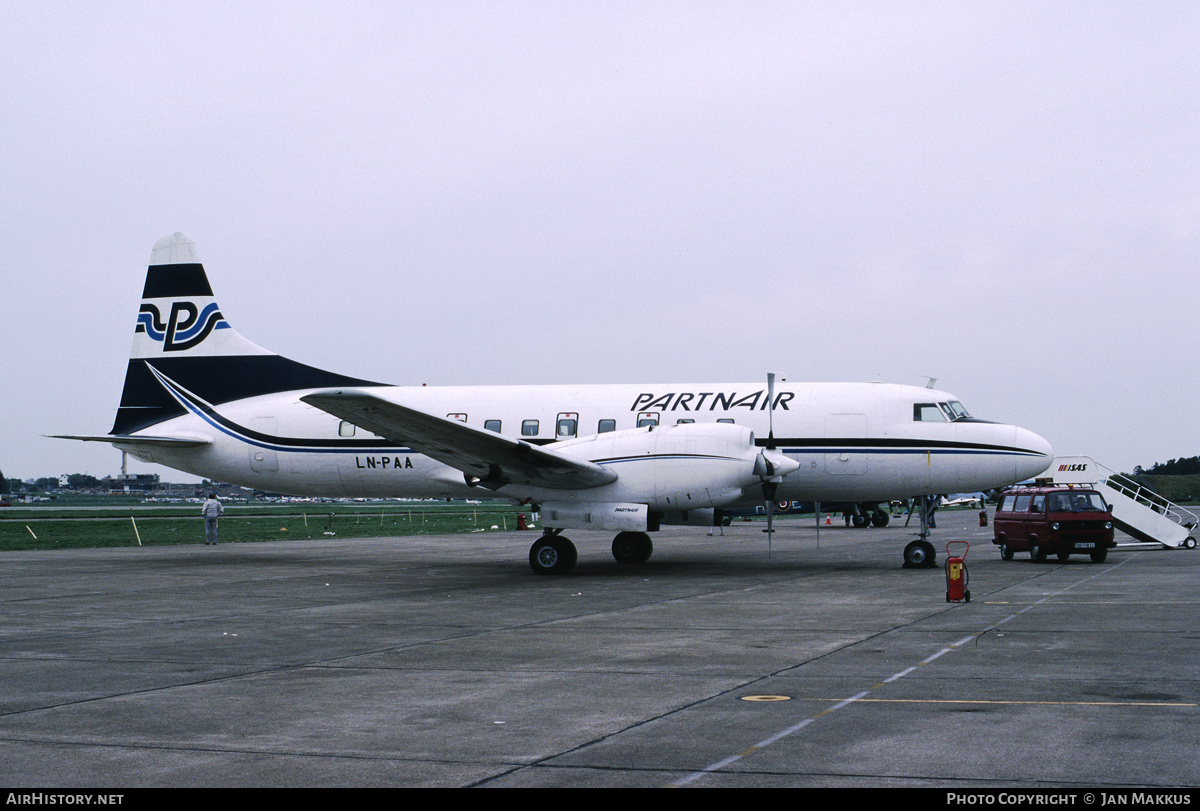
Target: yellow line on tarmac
[[1092, 602], [1004, 701]]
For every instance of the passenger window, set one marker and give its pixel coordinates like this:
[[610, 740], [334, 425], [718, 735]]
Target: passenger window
[[529, 428], [345, 428], [1022, 504], [492, 425], [1039, 503], [566, 428], [928, 412], [684, 422], [727, 421], [1007, 505], [644, 421], [605, 426]]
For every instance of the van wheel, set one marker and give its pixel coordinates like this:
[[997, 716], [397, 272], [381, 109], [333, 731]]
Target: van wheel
[[1005, 552], [1036, 553], [1189, 542], [1099, 556], [1063, 557]]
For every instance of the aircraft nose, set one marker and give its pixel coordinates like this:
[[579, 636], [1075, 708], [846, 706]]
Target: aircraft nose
[[1039, 457]]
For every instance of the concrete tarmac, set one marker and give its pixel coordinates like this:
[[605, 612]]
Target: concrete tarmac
[[444, 661]]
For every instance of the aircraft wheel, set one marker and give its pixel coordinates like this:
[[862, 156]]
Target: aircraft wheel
[[645, 548], [1099, 556], [919, 555], [632, 547], [879, 519], [552, 555], [860, 521]]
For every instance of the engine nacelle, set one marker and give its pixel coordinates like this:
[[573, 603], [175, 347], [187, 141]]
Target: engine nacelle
[[675, 468], [596, 515]]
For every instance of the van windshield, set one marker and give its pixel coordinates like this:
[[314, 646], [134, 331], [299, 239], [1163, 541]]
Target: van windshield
[[1076, 503]]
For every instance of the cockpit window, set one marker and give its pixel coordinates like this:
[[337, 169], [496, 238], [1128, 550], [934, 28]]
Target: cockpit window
[[928, 412], [940, 412]]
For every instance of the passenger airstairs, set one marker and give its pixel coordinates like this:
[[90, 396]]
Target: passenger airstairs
[[1153, 520]]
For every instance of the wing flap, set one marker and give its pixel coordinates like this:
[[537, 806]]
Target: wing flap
[[485, 457]]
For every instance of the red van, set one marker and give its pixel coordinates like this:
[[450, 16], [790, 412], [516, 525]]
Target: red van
[[1053, 520]]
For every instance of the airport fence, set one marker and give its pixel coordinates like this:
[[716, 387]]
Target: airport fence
[[81, 529]]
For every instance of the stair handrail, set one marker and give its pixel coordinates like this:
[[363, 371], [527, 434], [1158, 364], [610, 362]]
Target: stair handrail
[[1133, 489]]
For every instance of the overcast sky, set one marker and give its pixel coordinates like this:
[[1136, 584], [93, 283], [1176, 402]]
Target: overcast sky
[[1002, 195]]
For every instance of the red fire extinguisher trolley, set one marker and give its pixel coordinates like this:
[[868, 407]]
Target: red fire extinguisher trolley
[[956, 574]]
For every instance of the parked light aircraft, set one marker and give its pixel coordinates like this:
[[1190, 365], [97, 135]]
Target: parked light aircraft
[[201, 398]]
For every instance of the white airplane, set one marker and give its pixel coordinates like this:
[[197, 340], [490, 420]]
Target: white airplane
[[200, 398], [961, 502]]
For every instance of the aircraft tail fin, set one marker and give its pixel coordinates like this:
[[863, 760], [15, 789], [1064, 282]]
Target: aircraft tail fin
[[179, 316], [181, 335]]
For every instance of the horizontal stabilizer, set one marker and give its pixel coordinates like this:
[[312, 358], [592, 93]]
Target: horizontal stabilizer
[[486, 458], [146, 441]]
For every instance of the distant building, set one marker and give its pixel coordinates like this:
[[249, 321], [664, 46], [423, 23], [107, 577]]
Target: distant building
[[131, 482]]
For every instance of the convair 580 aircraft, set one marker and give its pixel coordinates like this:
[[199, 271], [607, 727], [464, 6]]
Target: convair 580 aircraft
[[201, 398]]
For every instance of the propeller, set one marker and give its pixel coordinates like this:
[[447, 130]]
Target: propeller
[[770, 485]]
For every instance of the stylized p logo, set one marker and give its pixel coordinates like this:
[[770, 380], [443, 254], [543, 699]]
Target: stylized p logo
[[188, 326]]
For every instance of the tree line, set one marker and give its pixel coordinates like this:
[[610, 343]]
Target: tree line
[[76, 481], [1175, 467]]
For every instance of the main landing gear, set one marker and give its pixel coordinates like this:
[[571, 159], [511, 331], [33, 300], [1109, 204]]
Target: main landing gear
[[555, 554], [552, 554], [632, 547]]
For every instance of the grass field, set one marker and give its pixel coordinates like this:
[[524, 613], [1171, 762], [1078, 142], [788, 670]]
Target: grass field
[[40, 528]]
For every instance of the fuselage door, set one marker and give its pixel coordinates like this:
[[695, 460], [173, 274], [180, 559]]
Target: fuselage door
[[566, 426]]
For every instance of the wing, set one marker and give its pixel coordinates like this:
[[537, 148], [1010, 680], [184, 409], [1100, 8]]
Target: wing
[[485, 457]]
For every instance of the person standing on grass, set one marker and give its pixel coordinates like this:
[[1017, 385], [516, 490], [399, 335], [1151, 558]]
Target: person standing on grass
[[212, 510]]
